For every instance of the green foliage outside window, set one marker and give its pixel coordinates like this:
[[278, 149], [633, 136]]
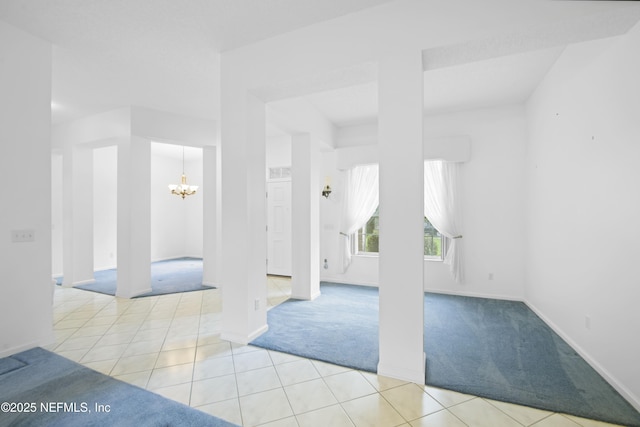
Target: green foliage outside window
[[368, 238]]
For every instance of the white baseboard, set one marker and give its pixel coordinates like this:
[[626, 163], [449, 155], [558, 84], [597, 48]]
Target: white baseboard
[[84, 282], [304, 298], [475, 294], [27, 346], [215, 285], [613, 381], [13, 350], [176, 257], [134, 294], [348, 282], [402, 373], [78, 283], [244, 339]]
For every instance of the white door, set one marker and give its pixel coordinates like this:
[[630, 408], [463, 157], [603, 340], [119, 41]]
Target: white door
[[279, 228]]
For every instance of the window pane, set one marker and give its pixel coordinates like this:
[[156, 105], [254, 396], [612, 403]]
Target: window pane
[[432, 240], [368, 236]]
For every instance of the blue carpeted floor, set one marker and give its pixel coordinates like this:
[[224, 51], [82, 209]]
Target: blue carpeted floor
[[491, 348], [167, 277], [45, 389]]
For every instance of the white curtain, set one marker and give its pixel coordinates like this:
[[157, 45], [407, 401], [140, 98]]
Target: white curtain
[[441, 207], [360, 202]]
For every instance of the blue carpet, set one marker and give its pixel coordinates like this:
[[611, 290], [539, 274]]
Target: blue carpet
[[167, 277], [340, 326], [50, 381], [490, 348], [9, 364]]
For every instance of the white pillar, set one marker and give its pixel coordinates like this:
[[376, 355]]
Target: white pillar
[[77, 195], [210, 216], [134, 217], [305, 223], [244, 217], [401, 216]]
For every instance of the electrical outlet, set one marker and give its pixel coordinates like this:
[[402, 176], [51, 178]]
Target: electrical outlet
[[256, 304], [20, 236], [587, 322], [490, 276]]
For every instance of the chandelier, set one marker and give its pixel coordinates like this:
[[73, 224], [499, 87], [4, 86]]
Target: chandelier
[[183, 189]]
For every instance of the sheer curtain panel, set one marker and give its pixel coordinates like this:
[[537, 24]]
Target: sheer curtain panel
[[361, 197], [441, 207]]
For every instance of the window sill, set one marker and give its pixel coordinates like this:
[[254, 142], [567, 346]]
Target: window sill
[[365, 255], [375, 255]]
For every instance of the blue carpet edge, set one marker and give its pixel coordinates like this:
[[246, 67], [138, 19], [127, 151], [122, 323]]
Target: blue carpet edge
[[37, 355], [480, 393], [90, 286]]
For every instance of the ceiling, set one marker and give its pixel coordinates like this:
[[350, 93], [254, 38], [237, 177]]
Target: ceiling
[[161, 54], [164, 54], [498, 81]]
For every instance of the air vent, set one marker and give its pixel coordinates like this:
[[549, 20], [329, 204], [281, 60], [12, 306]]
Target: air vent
[[280, 172]]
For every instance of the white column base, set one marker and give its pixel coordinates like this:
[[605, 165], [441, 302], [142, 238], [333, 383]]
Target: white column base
[[244, 339], [305, 298], [403, 373], [133, 294]]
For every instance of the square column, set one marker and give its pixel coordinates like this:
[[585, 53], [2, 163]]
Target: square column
[[401, 216], [77, 227], [211, 216], [244, 217], [305, 222], [134, 217]]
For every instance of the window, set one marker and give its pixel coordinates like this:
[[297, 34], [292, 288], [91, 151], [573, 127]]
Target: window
[[367, 239], [434, 242], [368, 236]]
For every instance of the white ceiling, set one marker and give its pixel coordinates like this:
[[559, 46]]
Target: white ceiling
[[164, 54], [176, 151], [499, 81], [161, 54]]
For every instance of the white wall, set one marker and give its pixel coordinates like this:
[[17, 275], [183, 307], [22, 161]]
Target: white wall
[[25, 127], [278, 152], [56, 214], [492, 185], [583, 204], [105, 207], [193, 207], [176, 224]]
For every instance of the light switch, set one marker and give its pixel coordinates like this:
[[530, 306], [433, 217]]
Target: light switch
[[21, 236]]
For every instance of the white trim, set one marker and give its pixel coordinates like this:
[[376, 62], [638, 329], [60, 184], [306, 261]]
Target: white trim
[[144, 291], [79, 283], [242, 339], [215, 285], [199, 257], [613, 381], [475, 295], [403, 373], [313, 296], [19, 349], [343, 281]]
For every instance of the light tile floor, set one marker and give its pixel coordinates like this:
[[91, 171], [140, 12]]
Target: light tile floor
[[171, 345]]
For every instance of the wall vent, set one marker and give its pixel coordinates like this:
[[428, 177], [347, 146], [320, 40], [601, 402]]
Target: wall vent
[[281, 172]]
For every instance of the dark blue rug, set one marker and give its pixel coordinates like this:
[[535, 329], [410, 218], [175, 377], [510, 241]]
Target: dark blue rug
[[490, 348], [167, 277], [50, 390]]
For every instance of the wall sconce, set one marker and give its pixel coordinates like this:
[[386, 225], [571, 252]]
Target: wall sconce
[[327, 187]]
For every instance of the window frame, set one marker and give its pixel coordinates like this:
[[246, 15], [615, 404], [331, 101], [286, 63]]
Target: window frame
[[355, 240]]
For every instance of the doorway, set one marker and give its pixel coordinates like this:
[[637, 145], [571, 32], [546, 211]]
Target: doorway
[[279, 228]]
